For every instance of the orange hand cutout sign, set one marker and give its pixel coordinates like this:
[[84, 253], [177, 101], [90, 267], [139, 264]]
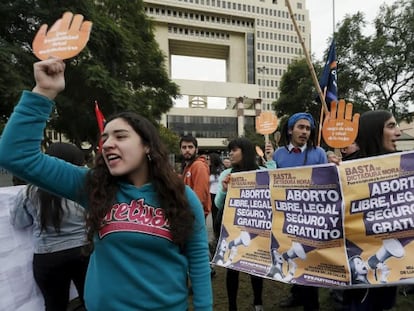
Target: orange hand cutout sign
[[65, 39], [266, 123], [339, 128]]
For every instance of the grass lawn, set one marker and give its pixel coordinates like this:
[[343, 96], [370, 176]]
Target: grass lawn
[[274, 291]]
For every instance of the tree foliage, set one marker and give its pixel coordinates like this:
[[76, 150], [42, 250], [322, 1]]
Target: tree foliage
[[254, 137], [374, 71], [297, 91], [379, 67], [122, 66], [170, 139]]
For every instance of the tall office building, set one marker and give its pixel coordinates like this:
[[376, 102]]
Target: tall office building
[[256, 40]]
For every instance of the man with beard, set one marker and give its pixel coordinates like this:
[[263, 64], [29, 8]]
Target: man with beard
[[196, 173], [298, 148]]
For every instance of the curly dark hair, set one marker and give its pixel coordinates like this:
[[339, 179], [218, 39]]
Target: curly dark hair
[[102, 187]]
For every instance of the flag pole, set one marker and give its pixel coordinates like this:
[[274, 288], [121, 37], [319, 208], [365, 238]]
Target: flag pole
[[321, 118], [333, 27], [308, 60], [333, 18]]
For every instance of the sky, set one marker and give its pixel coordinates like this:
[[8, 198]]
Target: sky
[[321, 15]]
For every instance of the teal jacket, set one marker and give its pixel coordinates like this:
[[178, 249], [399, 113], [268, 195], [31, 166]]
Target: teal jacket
[[134, 266]]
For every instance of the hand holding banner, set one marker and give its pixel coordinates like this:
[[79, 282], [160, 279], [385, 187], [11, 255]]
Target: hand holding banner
[[339, 128], [313, 225], [65, 39]]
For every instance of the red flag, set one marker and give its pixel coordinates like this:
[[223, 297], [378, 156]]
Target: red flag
[[101, 121]]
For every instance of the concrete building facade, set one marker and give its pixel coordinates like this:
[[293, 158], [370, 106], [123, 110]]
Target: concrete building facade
[[257, 40]]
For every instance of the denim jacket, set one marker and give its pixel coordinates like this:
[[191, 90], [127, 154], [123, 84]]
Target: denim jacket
[[25, 213]]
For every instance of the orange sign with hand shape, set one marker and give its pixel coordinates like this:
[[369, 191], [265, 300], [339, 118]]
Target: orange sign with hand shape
[[65, 39], [340, 129]]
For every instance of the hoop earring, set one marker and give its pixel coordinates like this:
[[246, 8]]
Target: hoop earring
[[149, 157]]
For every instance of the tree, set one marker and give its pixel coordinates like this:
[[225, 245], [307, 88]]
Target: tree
[[170, 139], [380, 66], [256, 138], [297, 91], [122, 66], [15, 58]]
